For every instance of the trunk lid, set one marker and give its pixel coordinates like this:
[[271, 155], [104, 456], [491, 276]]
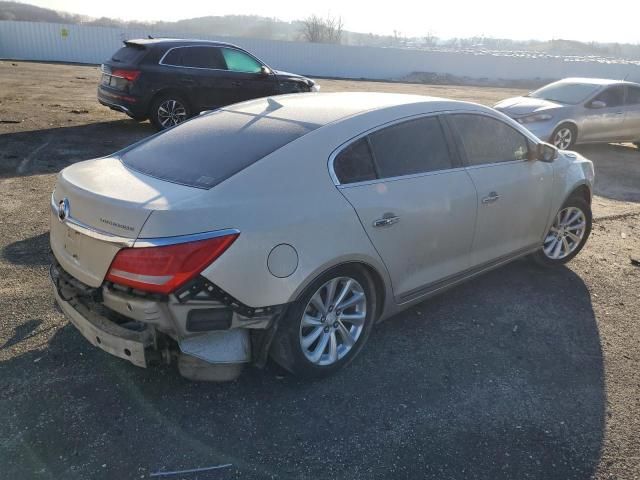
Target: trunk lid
[[104, 206]]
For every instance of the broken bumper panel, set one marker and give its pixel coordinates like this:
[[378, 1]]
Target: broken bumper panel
[[100, 331]]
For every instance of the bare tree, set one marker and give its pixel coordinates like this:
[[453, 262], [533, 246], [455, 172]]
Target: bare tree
[[320, 30]]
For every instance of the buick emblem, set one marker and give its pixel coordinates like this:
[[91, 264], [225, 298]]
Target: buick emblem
[[63, 209]]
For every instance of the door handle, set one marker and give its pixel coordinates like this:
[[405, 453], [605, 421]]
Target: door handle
[[619, 113], [386, 221], [236, 84], [493, 197]]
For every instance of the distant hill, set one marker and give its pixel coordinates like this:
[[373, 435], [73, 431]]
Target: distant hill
[[253, 26]]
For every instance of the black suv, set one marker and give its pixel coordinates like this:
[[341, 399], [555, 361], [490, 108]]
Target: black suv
[[168, 81]]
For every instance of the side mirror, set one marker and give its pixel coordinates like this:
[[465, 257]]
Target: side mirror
[[546, 152], [598, 104], [265, 71]]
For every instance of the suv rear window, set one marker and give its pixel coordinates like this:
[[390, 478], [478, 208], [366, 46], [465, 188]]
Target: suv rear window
[[207, 150], [128, 54]]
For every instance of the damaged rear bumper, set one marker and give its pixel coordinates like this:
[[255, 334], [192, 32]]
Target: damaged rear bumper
[[151, 330]]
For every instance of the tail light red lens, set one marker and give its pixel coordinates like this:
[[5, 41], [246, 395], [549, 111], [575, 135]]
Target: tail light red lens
[[131, 75], [165, 269]]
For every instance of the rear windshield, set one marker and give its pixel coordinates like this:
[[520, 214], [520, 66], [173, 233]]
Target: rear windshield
[[207, 150], [128, 54]]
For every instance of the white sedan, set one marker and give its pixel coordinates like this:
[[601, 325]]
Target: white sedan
[[289, 226]]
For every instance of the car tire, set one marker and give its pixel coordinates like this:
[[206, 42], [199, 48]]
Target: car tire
[[312, 343], [571, 228], [564, 136], [169, 110]]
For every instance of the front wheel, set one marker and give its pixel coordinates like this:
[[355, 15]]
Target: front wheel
[[568, 234], [564, 137], [328, 325]]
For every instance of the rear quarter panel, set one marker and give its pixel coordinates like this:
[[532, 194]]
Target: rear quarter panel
[[287, 197]]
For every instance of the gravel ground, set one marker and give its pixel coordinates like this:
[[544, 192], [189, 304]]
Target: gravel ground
[[523, 373]]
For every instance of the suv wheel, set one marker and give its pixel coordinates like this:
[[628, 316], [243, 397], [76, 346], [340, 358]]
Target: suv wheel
[[328, 325], [568, 234], [168, 111]]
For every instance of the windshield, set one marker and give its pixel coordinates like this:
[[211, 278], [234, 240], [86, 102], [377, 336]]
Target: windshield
[[569, 93]]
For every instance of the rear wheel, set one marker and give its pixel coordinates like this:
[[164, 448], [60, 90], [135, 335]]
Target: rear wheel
[[169, 110], [328, 325], [564, 136], [568, 234]]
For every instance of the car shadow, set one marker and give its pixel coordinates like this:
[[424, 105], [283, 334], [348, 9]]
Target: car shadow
[[33, 251], [50, 150], [499, 378], [617, 167]]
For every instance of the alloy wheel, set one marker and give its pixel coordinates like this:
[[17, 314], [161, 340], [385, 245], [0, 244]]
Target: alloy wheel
[[171, 113], [563, 138], [566, 233], [333, 321]]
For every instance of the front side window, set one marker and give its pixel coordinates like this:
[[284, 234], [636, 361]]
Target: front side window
[[354, 163], [633, 95], [195, 57], [488, 140], [415, 146], [612, 96], [238, 61]]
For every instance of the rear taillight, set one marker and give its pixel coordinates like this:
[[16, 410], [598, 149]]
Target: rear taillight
[[165, 269], [130, 75]]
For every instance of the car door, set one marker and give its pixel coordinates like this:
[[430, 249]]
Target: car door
[[603, 122], [245, 78], [631, 126], [200, 74], [514, 194], [414, 200]]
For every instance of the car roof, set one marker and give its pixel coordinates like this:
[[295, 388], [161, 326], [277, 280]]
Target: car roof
[[174, 42], [595, 81], [324, 108]]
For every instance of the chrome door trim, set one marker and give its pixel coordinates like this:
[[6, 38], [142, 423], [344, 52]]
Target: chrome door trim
[[192, 237], [401, 177], [128, 242], [352, 140], [90, 231], [230, 47]]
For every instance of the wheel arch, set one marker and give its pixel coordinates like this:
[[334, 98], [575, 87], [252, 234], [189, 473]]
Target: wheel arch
[[571, 123], [582, 191], [168, 91], [372, 272]]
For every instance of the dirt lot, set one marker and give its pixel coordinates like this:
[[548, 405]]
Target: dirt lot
[[523, 374]]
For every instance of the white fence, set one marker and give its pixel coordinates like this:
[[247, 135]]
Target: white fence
[[84, 44]]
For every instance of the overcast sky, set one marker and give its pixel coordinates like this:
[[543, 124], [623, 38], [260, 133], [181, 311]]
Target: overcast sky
[[611, 21]]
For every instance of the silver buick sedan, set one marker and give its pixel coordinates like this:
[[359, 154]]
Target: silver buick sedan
[[579, 110], [289, 226]]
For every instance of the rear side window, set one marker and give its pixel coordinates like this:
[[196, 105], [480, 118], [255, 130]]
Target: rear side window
[[415, 146], [195, 57], [129, 54], [238, 61], [354, 163], [488, 140], [209, 149]]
